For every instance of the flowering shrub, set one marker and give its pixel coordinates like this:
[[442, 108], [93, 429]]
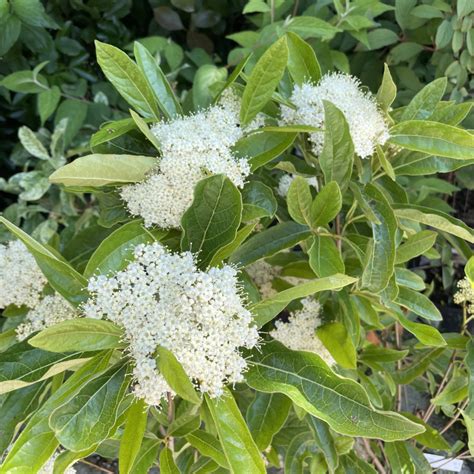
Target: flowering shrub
[[255, 302]]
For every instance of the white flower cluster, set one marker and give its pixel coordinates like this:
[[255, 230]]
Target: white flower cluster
[[162, 299], [262, 274], [366, 123], [192, 147], [48, 467], [286, 180], [51, 310], [465, 295], [21, 280], [299, 333]]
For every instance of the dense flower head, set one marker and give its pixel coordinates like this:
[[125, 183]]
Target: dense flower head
[[285, 181], [465, 295], [299, 333], [51, 310], [366, 123], [192, 147], [163, 299], [21, 280]]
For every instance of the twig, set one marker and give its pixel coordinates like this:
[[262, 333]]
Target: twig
[[374, 458], [398, 339], [83, 461], [455, 418]]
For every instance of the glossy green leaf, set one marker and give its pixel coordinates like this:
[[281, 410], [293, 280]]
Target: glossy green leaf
[[302, 63], [266, 416], [415, 245], [237, 443], [167, 464], [299, 200], [269, 242], [175, 375], [48, 102], [427, 335], [229, 249], [327, 204], [418, 303], [324, 440], [146, 456], [208, 445], [127, 78], [258, 201], [455, 391], [433, 138], [399, 458], [263, 80], [143, 127], [89, 417], [324, 257], [311, 384], [132, 437], [80, 334], [337, 341], [424, 103], [104, 170], [213, 219], [387, 90]]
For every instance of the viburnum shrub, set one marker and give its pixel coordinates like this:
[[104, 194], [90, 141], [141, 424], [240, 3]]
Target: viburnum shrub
[[259, 300]]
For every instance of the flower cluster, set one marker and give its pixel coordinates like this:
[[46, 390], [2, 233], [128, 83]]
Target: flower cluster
[[298, 333], [21, 280], [286, 180], [163, 299], [366, 123], [262, 274], [52, 309], [465, 295], [192, 147]]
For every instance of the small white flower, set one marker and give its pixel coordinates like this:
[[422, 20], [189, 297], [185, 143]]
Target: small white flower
[[163, 299], [465, 295], [51, 310], [299, 333], [21, 280], [193, 147], [366, 123]]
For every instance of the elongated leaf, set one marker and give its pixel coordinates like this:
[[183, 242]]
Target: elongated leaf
[[258, 201], [104, 170], [325, 441], [427, 335], [340, 402], [270, 242], [299, 201], [176, 376], [337, 156], [469, 361], [399, 458], [324, 257], [380, 256], [227, 250], [81, 334], [163, 92], [116, 251], [61, 276], [209, 446], [415, 245], [267, 309], [167, 464], [437, 219], [263, 80], [89, 417], [127, 78], [132, 437], [266, 415], [302, 63], [143, 127], [239, 447], [424, 103], [337, 341], [433, 138], [213, 219], [418, 303], [387, 91], [146, 456]]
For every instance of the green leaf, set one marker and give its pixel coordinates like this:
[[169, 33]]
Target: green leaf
[[469, 422], [311, 27], [167, 464], [156, 79], [142, 125], [399, 458], [47, 102], [302, 63], [326, 205], [380, 255], [207, 77], [258, 201], [88, 418], [424, 103], [469, 270], [61, 276], [455, 391], [324, 257], [337, 156], [9, 33], [22, 365], [265, 417], [409, 279], [418, 303], [104, 170], [229, 249], [267, 309], [431, 438], [213, 219], [299, 450], [263, 80], [387, 91], [299, 200], [437, 219], [25, 82], [337, 341], [175, 375], [132, 437], [116, 251], [32, 144], [239, 447], [127, 78], [340, 402], [208, 445], [415, 245], [433, 138], [427, 335], [469, 361], [80, 334], [325, 441], [146, 456]]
